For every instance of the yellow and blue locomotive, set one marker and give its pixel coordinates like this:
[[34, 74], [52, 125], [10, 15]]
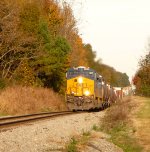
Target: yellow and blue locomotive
[[86, 89]]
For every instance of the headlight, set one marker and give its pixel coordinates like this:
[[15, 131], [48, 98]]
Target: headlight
[[73, 93], [80, 80], [87, 93]]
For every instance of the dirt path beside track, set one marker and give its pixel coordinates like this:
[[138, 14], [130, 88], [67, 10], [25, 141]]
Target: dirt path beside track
[[141, 121]]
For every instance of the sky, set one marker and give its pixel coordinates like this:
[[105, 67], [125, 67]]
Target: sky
[[118, 30]]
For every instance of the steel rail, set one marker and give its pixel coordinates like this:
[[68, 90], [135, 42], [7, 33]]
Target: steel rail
[[27, 115], [6, 122]]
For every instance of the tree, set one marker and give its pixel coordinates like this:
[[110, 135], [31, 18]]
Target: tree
[[39, 41], [29, 41], [142, 76]]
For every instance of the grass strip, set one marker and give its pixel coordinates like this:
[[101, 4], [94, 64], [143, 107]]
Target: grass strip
[[117, 123]]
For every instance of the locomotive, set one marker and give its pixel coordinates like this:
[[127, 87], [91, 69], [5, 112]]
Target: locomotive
[[87, 90]]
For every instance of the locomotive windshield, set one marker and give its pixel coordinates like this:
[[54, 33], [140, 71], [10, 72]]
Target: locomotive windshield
[[80, 72]]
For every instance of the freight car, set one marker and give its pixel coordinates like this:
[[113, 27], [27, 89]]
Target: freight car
[[86, 90]]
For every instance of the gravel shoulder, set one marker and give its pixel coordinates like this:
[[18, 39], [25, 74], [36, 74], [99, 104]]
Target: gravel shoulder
[[48, 135]]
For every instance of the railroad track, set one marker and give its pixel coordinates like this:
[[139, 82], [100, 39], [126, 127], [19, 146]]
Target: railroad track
[[11, 121]]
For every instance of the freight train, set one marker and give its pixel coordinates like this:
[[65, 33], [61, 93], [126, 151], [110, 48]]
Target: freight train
[[87, 90]]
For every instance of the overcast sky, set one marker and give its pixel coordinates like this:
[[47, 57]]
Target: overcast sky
[[118, 30]]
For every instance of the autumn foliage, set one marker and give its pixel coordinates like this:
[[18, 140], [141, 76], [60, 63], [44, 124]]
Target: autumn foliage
[[142, 76], [39, 41]]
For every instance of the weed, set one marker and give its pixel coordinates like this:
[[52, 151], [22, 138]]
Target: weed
[[21, 100], [72, 146], [76, 143], [86, 133], [96, 128]]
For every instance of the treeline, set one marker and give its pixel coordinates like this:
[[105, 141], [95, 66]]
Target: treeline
[[111, 76], [39, 41], [142, 76]]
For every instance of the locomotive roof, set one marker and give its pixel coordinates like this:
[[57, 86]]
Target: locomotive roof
[[82, 68]]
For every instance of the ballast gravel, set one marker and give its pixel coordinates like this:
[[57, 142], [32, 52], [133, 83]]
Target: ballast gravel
[[48, 135]]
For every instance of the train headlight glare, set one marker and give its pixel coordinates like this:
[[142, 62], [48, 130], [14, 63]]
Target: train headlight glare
[[73, 93], [87, 93], [80, 80]]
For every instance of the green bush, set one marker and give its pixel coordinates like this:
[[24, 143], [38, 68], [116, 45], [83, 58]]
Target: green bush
[[145, 90]]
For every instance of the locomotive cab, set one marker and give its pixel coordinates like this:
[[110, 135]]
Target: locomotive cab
[[84, 89]]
